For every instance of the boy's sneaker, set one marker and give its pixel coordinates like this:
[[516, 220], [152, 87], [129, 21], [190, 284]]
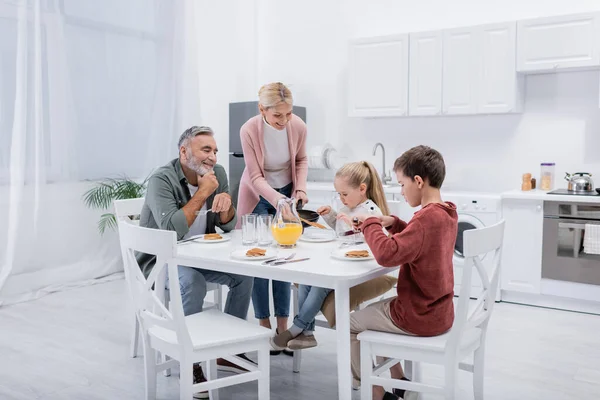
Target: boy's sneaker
[[199, 378], [302, 342], [406, 394], [226, 366], [390, 396]]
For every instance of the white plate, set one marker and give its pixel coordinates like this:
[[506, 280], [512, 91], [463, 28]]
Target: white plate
[[340, 254], [317, 235], [200, 239], [240, 254]]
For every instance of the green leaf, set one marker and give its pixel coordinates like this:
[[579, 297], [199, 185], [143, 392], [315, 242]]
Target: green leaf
[[107, 221]]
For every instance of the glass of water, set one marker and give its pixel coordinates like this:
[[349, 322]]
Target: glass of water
[[263, 228], [249, 229]]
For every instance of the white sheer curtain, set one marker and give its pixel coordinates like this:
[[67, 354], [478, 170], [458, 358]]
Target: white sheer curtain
[[88, 89]]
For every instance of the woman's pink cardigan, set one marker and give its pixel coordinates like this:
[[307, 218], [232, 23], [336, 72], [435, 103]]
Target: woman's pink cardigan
[[253, 183]]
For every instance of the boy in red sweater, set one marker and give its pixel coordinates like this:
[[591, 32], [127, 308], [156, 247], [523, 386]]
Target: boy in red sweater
[[423, 248]]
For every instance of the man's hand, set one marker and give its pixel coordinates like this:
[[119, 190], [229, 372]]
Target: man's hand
[[221, 203], [208, 183]]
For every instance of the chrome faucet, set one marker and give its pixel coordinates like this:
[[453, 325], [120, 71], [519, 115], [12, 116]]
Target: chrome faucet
[[384, 178]]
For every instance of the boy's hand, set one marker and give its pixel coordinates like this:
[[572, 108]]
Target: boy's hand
[[386, 221], [324, 210]]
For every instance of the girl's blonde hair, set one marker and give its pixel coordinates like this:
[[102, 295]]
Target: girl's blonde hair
[[364, 172], [274, 93]]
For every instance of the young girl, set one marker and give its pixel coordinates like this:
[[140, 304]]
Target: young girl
[[361, 192]]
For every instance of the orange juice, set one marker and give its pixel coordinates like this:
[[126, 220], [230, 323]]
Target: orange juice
[[288, 234]]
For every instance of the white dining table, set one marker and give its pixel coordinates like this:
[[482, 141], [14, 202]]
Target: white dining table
[[320, 270]]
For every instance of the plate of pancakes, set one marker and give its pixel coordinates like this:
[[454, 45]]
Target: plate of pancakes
[[254, 253], [349, 254], [213, 238]]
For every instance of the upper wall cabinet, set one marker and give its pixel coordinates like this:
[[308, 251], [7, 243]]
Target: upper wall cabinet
[[378, 77], [425, 77], [461, 71], [479, 75], [500, 89], [555, 43]]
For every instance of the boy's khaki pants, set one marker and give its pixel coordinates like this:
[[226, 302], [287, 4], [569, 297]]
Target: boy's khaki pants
[[375, 317]]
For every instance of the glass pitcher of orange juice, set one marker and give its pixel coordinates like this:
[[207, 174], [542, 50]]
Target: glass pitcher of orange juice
[[286, 226]]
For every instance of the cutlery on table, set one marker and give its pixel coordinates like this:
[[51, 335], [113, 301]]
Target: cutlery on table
[[281, 262]]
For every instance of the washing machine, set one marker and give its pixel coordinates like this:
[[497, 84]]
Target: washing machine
[[475, 210]]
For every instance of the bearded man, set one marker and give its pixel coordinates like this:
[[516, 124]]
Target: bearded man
[[177, 194]]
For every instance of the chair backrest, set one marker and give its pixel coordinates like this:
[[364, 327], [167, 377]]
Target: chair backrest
[[148, 293], [477, 244], [127, 207]]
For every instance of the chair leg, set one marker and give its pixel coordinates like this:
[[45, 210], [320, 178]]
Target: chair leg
[[478, 367], [366, 371], [297, 353], [135, 337], [412, 370], [211, 375], [297, 360], [149, 369], [186, 379], [264, 366], [219, 298], [165, 358], [450, 373]]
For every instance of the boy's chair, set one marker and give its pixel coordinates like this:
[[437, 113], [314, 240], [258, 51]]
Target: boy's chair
[[467, 335], [200, 337]]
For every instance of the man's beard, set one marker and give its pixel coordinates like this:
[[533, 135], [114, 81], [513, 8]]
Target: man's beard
[[197, 166]]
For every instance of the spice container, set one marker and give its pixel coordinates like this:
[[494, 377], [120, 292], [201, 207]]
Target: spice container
[[526, 184], [532, 183], [547, 176]]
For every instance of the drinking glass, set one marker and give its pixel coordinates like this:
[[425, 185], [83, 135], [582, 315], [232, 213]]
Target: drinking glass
[[249, 229], [263, 228]]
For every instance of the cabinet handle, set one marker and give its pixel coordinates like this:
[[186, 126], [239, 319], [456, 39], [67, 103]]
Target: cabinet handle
[[538, 208], [555, 66]]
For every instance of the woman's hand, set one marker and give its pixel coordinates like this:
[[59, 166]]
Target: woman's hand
[[324, 210], [301, 196]]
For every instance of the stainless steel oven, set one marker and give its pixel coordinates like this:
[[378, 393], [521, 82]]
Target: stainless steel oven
[[563, 256]]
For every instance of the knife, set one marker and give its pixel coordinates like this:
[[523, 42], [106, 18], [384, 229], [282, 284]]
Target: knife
[[348, 233], [289, 261]]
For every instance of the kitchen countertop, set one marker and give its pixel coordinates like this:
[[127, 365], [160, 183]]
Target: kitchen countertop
[[544, 196]]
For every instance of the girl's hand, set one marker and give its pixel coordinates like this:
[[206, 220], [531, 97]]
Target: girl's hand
[[324, 210]]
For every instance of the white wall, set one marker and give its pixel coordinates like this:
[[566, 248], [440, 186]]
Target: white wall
[[305, 44], [227, 62]]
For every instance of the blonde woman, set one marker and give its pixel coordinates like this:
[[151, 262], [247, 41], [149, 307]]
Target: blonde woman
[[274, 145]]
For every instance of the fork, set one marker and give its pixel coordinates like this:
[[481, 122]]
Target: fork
[[346, 244], [279, 259]]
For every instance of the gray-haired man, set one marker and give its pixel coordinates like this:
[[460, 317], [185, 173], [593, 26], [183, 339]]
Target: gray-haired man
[[176, 192]]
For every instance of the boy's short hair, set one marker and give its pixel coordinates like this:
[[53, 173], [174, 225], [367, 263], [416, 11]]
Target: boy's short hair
[[424, 161]]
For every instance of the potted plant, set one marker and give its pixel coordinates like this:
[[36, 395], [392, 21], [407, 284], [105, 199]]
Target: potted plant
[[102, 195]]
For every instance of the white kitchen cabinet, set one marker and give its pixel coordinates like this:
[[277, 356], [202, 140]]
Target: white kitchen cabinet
[[378, 77], [556, 43], [425, 77], [522, 248], [500, 88], [461, 71]]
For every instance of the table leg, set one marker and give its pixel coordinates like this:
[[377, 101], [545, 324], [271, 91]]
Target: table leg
[[342, 315]]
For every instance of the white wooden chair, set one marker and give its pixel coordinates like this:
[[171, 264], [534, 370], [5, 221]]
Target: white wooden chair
[[124, 209], [466, 337], [201, 337]]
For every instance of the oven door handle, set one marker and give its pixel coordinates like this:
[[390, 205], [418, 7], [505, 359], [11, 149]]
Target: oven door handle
[[570, 225]]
